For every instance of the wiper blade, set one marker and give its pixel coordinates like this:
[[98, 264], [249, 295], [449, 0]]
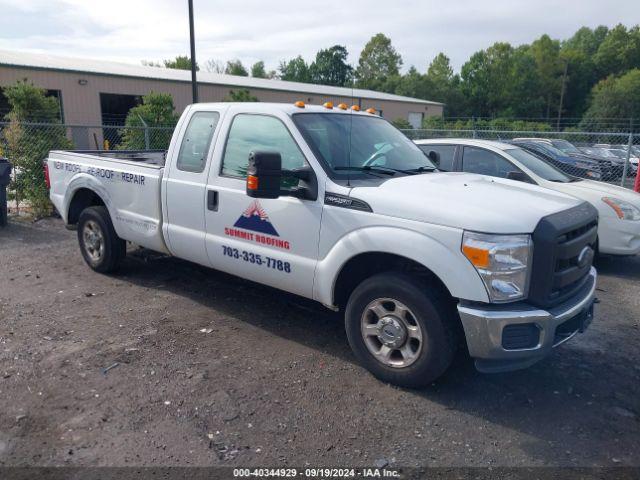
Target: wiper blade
[[383, 170], [421, 169]]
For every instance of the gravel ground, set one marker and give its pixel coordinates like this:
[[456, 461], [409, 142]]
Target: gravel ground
[[213, 370]]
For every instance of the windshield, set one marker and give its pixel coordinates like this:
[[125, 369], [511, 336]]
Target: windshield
[[565, 146], [351, 141], [538, 166]]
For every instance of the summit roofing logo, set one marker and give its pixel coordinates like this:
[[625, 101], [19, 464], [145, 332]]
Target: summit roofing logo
[[254, 218]]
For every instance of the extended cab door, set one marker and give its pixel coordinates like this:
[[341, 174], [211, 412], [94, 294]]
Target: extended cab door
[[185, 182], [271, 241]]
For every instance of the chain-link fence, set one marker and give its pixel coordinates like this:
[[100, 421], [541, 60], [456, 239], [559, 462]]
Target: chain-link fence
[[608, 157], [26, 145]]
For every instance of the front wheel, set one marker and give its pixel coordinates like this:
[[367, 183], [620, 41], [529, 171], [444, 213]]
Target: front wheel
[[401, 329], [101, 247]]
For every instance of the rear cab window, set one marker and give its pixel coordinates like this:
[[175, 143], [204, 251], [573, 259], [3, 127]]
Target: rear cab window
[[196, 141]]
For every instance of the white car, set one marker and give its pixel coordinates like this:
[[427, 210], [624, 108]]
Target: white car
[[618, 208]]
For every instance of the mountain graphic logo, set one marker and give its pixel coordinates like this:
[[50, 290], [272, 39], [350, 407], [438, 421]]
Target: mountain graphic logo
[[254, 218]]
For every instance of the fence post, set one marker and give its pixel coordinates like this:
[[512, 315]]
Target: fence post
[[146, 133], [626, 163]]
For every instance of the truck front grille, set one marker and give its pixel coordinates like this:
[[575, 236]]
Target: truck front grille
[[558, 242]]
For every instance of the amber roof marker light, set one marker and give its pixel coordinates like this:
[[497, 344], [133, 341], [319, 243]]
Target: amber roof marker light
[[342, 106], [355, 108], [328, 105], [299, 104], [371, 110]]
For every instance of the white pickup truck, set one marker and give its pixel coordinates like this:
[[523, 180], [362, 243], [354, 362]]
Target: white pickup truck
[[336, 205]]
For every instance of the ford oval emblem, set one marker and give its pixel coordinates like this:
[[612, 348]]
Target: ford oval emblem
[[586, 257]]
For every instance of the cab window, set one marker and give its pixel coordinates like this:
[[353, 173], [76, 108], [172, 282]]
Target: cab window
[[485, 162], [196, 141], [249, 133], [446, 155]]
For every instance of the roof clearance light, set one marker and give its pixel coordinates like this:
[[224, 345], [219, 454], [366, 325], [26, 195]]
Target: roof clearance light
[[372, 111], [342, 106], [355, 108], [299, 104], [328, 105]]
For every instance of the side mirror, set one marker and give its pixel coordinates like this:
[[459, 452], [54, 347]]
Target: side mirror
[[264, 174], [518, 176], [434, 157]]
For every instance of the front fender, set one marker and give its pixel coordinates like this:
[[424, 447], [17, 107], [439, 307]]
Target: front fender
[[440, 253]]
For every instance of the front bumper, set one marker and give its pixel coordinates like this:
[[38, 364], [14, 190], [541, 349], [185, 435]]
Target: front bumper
[[618, 237], [510, 337]]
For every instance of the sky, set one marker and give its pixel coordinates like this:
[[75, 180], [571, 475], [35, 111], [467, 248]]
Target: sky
[[250, 30]]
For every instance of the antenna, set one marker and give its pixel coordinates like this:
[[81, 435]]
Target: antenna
[[350, 133]]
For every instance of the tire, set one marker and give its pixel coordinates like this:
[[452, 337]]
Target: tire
[[100, 246], [426, 353]]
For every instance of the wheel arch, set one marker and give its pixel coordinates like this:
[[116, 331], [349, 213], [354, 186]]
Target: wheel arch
[[434, 256], [82, 198], [364, 265]]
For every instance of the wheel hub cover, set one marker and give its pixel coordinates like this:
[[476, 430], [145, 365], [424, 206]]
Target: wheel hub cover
[[392, 332]]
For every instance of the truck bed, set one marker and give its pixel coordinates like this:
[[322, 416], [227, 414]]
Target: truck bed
[[127, 182]]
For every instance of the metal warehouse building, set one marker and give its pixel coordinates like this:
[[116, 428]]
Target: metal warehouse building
[[94, 92]]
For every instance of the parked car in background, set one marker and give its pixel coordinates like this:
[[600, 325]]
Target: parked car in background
[[618, 208], [620, 151], [618, 163], [578, 167], [607, 168]]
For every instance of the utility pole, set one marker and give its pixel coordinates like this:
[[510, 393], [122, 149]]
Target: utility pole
[[562, 89], [194, 81]]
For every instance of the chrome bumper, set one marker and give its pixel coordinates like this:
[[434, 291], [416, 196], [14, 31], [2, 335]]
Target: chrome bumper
[[484, 326]]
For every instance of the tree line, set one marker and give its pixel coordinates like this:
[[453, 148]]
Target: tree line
[[594, 76]]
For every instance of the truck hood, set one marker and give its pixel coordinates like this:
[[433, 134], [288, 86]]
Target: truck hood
[[464, 200]]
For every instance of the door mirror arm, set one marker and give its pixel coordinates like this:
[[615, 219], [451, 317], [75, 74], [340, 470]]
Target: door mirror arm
[[308, 190]]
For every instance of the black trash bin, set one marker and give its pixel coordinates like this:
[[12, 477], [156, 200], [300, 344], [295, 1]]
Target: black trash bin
[[5, 178]]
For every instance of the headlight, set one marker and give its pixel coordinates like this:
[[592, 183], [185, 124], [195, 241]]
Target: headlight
[[624, 210], [502, 262]]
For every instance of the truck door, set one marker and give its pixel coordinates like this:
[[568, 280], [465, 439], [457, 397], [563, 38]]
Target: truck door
[[271, 241], [185, 185]]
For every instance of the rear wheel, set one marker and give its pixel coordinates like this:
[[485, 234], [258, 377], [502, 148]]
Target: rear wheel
[[401, 329], [101, 247]]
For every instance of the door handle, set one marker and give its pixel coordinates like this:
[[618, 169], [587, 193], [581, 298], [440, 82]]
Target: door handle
[[212, 200]]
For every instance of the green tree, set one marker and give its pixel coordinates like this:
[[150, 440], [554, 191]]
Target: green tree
[[444, 86], [614, 98], [295, 70], [619, 51], [28, 145], [402, 123], [414, 84], [549, 67], [379, 61], [242, 95], [486, 77], [181, 62], [235, 67], [156, 110], [258, 70], [331, 68]]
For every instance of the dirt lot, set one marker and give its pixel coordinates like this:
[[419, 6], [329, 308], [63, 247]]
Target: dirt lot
[[271, 380]]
